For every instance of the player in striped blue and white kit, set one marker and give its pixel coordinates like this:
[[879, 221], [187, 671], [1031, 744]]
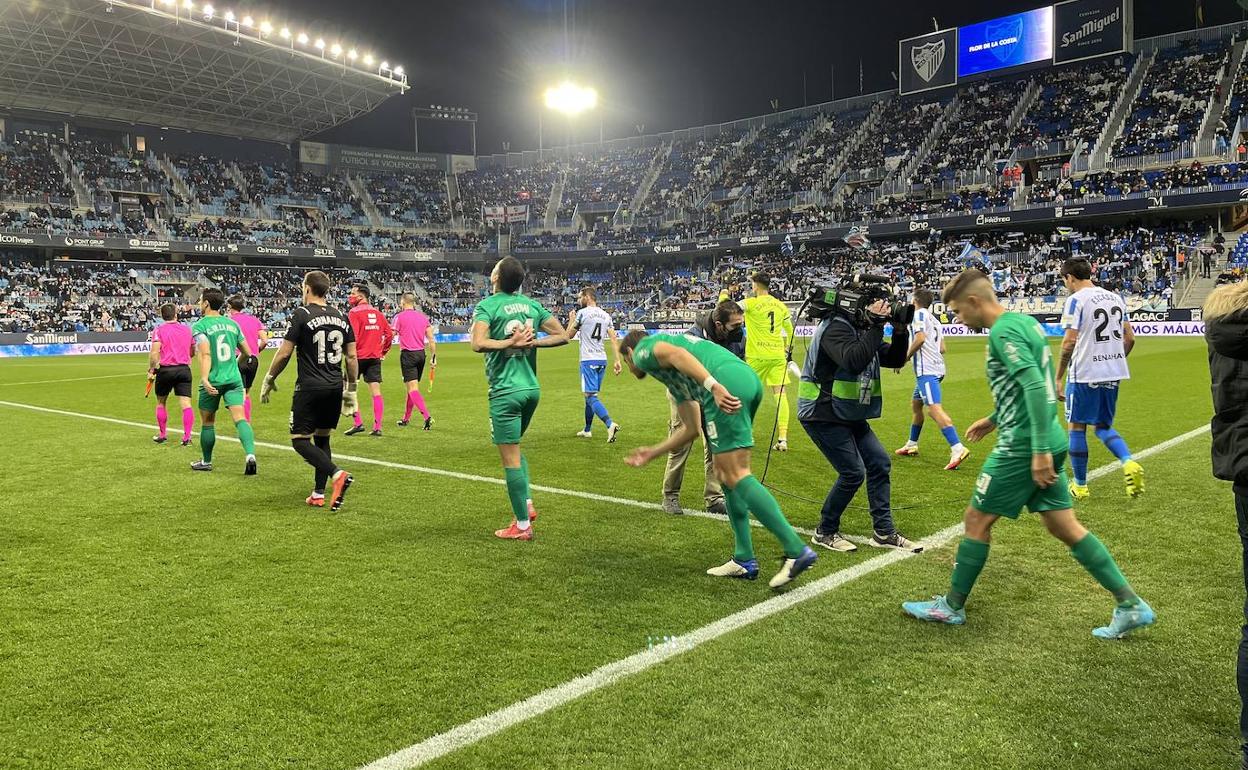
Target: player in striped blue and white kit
[[594, 324], [1095, 347], [927, 350]]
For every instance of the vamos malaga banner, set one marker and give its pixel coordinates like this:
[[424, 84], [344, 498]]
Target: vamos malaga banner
[[1171, 323]]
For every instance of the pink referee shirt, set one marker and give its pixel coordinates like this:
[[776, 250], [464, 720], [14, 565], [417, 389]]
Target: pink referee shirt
[[251, 327], [175, 343], [410, 327]]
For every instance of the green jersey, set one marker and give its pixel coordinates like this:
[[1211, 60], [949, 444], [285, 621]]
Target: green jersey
[[510, 370], [223, 337], [716, 359], [1016, 343]]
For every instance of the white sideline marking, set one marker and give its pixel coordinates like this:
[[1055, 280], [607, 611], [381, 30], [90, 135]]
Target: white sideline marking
[[483, 727], [417, 468], [70, 379]]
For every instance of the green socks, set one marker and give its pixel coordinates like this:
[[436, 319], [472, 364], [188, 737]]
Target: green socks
[[1095, 558], [765, 508], [739, 520], [207, 440], [246, 436], [972, 554], [518, 492]]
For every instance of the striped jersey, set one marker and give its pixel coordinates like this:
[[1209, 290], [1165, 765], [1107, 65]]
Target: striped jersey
[[1098, 315], [1015, 343], [592, 324], [928, 360]]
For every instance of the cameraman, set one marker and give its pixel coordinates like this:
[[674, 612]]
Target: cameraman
[[725, 327], [840, 390]]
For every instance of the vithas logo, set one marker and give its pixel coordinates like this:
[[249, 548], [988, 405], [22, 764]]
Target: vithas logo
[[927, 59]]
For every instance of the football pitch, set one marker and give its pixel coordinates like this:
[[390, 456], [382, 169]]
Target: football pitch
[[151, 617]]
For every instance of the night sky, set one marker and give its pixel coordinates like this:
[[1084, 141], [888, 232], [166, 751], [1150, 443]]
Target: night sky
[[658, 64]]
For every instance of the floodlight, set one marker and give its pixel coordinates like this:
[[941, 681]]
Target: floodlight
[[248, 21], [368, 60], [285, 32], [229, 16], [208, 11], [188, 4], [571, 99], [303, 38], [320, 43], [385, 65], [265, 28], [335, 49], [398, 70], [352, 55], [168, 2]]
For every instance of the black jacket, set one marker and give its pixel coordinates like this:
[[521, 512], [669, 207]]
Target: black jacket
[[703, 327], [1228, 368], [857, 351]]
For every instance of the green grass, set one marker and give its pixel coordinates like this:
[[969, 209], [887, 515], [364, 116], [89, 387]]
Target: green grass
[[152, 618]]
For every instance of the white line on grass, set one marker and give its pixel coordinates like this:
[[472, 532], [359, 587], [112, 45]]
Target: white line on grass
[[417, 468], [69, 379], [483, 727]]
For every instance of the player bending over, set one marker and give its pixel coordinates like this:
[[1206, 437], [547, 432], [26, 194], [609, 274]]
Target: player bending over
[[217, 339], [373, 337], [257, 338], [1094, 361], [1025, 467], [594, 323], [503, 327], [323, 341], [767, 324], [927, 349], [169, 367], [692, 368], [414, 334]]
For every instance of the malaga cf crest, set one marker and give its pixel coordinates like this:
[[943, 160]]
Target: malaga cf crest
[[927, 59], [1005, 35]]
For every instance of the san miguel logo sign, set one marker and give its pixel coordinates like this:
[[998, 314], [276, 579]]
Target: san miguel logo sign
[[927, 59]]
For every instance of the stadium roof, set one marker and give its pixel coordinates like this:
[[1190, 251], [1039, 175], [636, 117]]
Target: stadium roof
[[182, 64]]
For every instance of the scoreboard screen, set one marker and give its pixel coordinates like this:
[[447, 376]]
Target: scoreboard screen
[[1010, 41]]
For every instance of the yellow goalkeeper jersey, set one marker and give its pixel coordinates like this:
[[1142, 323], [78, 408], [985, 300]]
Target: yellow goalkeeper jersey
[[767, 323]]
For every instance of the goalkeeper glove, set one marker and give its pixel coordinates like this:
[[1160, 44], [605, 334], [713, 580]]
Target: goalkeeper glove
[[349, 401], [267, 388]]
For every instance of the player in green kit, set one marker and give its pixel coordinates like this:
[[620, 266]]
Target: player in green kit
[[503, 327], [702, 375], [1025, 467], [216, 340]]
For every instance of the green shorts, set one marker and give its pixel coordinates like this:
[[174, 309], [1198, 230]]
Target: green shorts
[[231, 392], [1004, 486], [510, 414], [772, 371], [726, 432]]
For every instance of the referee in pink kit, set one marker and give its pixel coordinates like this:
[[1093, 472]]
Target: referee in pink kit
[[414, 333]]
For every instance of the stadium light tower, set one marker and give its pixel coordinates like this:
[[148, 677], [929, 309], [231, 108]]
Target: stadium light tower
[[571, 100]]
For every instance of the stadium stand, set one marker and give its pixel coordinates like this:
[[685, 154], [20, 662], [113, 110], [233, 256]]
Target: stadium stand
[[1175, 95]]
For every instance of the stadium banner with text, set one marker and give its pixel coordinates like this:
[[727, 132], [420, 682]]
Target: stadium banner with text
[[1086, 29], [1010, 41], [340, 157]]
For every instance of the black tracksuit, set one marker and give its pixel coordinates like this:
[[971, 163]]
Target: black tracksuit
[[1228, 368]]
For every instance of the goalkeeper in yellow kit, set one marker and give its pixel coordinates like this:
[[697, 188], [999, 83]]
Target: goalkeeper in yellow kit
[[767, 325]]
